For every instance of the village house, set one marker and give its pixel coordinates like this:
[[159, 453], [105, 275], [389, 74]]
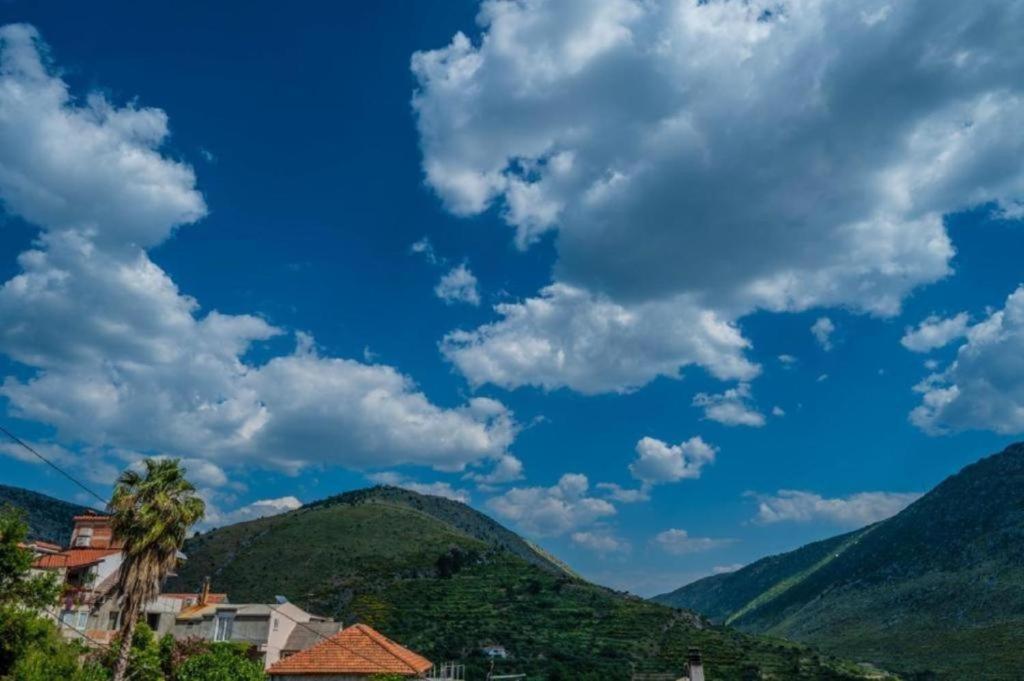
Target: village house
[[353, 654], [275, 630]]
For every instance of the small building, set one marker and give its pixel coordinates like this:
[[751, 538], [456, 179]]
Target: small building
[[273, 629], [353, 654], [495, 652]]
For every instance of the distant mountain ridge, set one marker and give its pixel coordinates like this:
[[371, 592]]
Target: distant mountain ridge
[[936, 591], [48, 519]]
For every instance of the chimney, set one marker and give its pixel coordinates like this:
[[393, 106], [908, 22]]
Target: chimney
[[205, 594], [695, 665]]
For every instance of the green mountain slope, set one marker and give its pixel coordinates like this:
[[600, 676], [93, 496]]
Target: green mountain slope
[[48, 519], [445, 580], [936, 591]]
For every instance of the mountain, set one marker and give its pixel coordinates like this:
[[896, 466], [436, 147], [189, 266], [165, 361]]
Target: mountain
[[48, 519], [936, 591], [445, 580]]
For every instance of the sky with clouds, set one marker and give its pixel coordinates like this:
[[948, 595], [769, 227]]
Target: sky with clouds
[[665, 286]]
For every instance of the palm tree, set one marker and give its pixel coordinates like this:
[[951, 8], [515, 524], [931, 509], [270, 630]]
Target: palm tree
[[150, 515]]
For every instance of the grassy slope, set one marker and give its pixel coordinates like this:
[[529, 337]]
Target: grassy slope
[[936, 591], [48, 519], [380, 559]]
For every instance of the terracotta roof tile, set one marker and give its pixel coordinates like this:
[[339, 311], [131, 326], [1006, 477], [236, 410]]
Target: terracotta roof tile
[[357, 650], [73, 558]]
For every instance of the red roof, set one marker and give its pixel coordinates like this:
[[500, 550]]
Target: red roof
[[358, 650], [210, 598], [73, 558], [92, 517]]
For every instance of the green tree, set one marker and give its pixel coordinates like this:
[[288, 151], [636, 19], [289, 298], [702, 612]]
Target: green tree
[[31, 648], [17, 585], [223, 662], [151, 515]]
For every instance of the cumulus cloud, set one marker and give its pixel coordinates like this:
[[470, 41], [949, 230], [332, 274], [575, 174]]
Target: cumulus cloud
[[731, 407], [552, 511], [505, 469], [600, 543], [822, 330], [717, 154], [263, 508], [855, 510], [120, 358], [458, 286], [568, 337], [983, 388], [624, 495], [437, 489], [935, 332], [679, 542], [658, 462]]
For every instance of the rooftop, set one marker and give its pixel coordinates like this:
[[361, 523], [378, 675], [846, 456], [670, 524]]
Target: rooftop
[[360, 649], [73, 558]]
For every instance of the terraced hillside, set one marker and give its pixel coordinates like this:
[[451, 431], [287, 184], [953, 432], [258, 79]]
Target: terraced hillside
[[937, 591], [446, 580]]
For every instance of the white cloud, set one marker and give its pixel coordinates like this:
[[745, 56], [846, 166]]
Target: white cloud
[[730, 407], [659, 462], [716, 154], [935, 332], [458, 286], [505, 469], [122, 359], [437, 489], [600, 543], [679, 542], [984, 387], [89, 167], [624, 495], [855, 510], [822, 330], [264, 508], [778, 411], [552, 511], [426, 249], [787, 360], [822, 378], [725, 569], [567, 337]]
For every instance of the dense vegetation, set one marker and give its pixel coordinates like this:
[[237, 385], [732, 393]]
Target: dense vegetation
[[446, 580], [48, 519], [937, 591]]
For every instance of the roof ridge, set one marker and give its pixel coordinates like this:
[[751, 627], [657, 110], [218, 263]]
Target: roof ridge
[[384, 642]]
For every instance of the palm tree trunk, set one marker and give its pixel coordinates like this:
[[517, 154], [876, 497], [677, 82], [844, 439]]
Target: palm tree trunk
[[127, 633]]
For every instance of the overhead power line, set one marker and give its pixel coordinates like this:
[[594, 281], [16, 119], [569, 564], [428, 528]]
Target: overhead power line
[[19, 441]]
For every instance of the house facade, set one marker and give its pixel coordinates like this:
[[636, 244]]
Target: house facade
[[275, 630]]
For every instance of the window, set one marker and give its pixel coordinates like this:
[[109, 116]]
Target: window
[[275, 624], [83, 538], [114, 620], [77, 619], [223, 624], [153, 620]]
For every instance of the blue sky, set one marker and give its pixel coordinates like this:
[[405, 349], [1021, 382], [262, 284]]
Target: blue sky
[[208, 248]]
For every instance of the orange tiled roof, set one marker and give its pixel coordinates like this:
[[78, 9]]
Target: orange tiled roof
[[73, 558], [357, 650], [92, 516], [210, 598]]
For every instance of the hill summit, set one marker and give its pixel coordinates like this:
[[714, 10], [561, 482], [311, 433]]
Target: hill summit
[[936, 591], [446, 580]]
